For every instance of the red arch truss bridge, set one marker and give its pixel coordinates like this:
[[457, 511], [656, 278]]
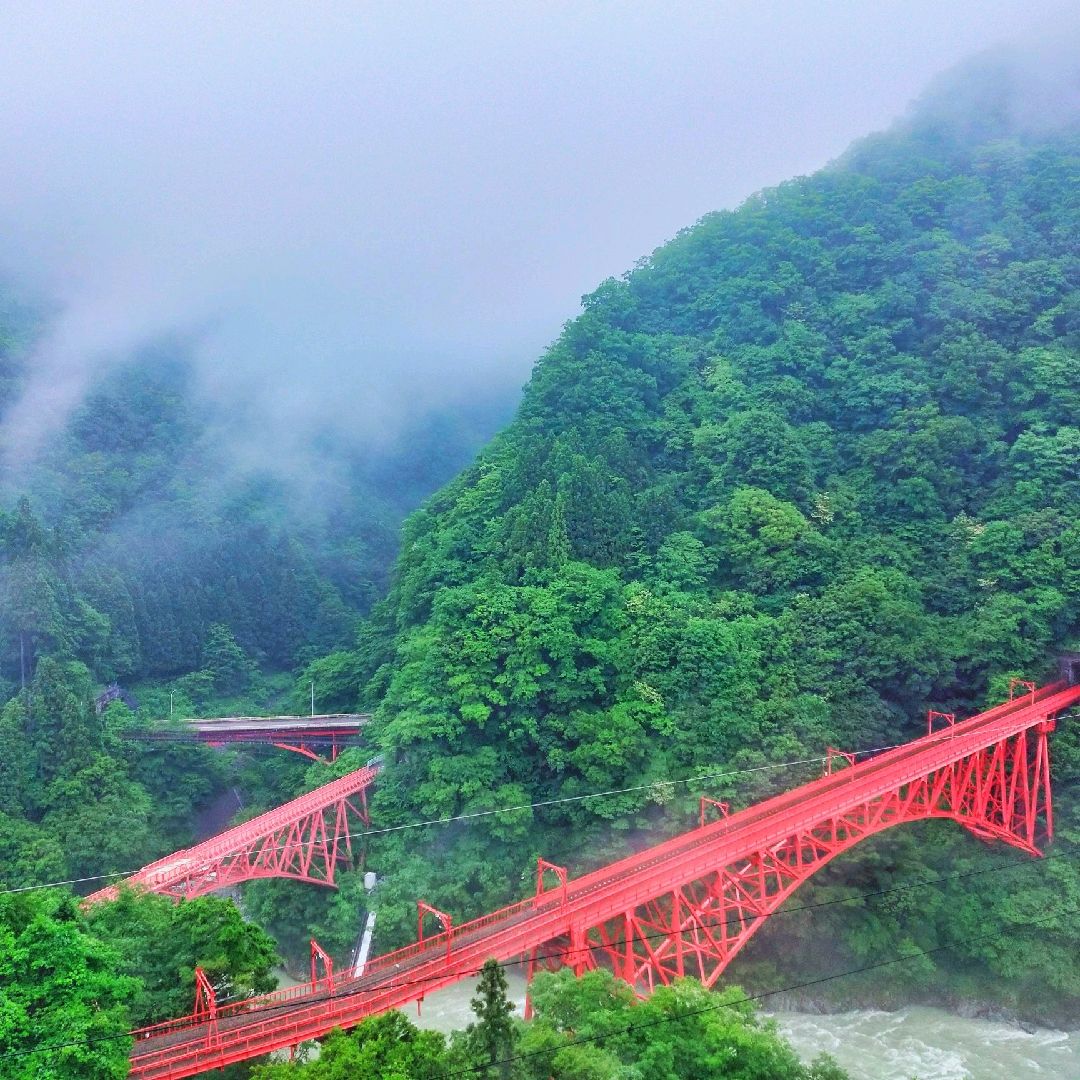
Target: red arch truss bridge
[[686, 906], [303, 839]]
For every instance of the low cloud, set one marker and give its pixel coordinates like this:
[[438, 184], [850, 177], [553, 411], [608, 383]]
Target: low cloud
[[356, 212]]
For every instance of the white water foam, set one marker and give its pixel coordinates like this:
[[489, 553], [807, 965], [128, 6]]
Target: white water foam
[[932, 1045]]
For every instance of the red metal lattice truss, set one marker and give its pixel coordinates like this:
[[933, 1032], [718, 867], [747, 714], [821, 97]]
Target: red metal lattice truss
[[686, 906], [302, 839]]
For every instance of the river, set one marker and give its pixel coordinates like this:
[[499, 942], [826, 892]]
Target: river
[[870, 1044], [927, 1043], [932, 1044]]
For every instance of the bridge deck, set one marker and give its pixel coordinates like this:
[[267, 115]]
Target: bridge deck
[[183, 1048], [322, 721], [225, 727], [183, 865]]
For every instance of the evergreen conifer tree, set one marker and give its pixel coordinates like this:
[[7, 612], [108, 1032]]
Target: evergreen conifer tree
[[492, 1037]]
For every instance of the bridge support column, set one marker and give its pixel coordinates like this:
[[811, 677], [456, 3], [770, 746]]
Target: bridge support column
[[319, 955], [579, 949], [530, 971], [676, 930], [1042, 779], [206, 1007], [445, 920]]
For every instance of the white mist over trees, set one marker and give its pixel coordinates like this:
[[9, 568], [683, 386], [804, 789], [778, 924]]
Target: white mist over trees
[[355, 210]]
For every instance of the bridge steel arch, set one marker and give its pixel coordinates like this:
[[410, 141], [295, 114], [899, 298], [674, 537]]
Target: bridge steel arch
[[304, 839], [685, 906], [701, 925]]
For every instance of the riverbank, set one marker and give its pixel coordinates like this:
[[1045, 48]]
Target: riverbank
[[871, 1044], [963, 1002], [929, 1042]]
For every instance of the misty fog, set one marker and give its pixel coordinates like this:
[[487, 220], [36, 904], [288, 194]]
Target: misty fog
[[356, 211]]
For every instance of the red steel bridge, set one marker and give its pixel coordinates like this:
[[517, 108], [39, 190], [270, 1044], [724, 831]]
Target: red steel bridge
[[303, 839], [302, 734], [686, 906]]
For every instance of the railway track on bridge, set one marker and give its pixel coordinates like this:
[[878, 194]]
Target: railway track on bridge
[[985, 772]]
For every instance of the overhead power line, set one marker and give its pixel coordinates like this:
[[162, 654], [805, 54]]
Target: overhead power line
[[715, 1007], [476, 814], [925, 883], [729, 924]]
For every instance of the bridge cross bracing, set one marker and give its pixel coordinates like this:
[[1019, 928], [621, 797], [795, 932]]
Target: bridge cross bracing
[[303, 839], [685, 906]]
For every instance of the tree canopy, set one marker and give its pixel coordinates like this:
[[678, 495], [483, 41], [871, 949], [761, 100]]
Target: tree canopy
[[592, 1028], [804, 472]]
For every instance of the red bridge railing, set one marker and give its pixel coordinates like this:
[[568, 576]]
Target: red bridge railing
[[685, 906], [303, 839]]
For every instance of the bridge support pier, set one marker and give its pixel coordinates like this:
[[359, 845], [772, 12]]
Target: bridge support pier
[[687, 905]]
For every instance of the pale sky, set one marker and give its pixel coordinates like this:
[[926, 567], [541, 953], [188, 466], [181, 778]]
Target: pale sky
[[360, 207]]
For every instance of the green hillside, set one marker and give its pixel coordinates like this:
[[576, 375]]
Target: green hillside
[[810, 468], [133, 532], [131, 549]]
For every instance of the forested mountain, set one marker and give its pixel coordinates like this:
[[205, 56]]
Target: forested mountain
[[808, 469], [123, 545], [131, 548]]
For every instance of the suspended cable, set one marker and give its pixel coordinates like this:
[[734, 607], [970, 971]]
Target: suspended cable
[[729, 924], [716, 1006], [473, 815]]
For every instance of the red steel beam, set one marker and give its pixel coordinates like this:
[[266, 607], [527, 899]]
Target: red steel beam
[[685, 906], [302, 839], [300, 734]]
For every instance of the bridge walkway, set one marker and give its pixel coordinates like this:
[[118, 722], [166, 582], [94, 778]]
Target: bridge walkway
[[183, 1047]]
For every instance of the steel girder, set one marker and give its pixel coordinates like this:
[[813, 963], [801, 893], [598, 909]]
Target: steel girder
[[304, 839], [687, 905], [298, 741], [1000, 793]]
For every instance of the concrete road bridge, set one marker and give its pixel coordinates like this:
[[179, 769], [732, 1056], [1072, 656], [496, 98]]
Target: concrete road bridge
[[320, 736]]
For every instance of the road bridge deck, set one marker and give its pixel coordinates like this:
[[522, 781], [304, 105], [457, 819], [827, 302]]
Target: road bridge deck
[[302, 734], [981, 772], [225, 726]]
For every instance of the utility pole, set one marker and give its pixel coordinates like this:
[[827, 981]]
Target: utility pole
[[172, 694], [312, 697]]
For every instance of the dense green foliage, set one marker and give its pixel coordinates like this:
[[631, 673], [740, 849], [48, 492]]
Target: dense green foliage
[[133, 534], [139, 560], [592, 1028], [133, 547], [73, 984], [805, 471], [62, 1000], [161, 943], [76, 798]]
